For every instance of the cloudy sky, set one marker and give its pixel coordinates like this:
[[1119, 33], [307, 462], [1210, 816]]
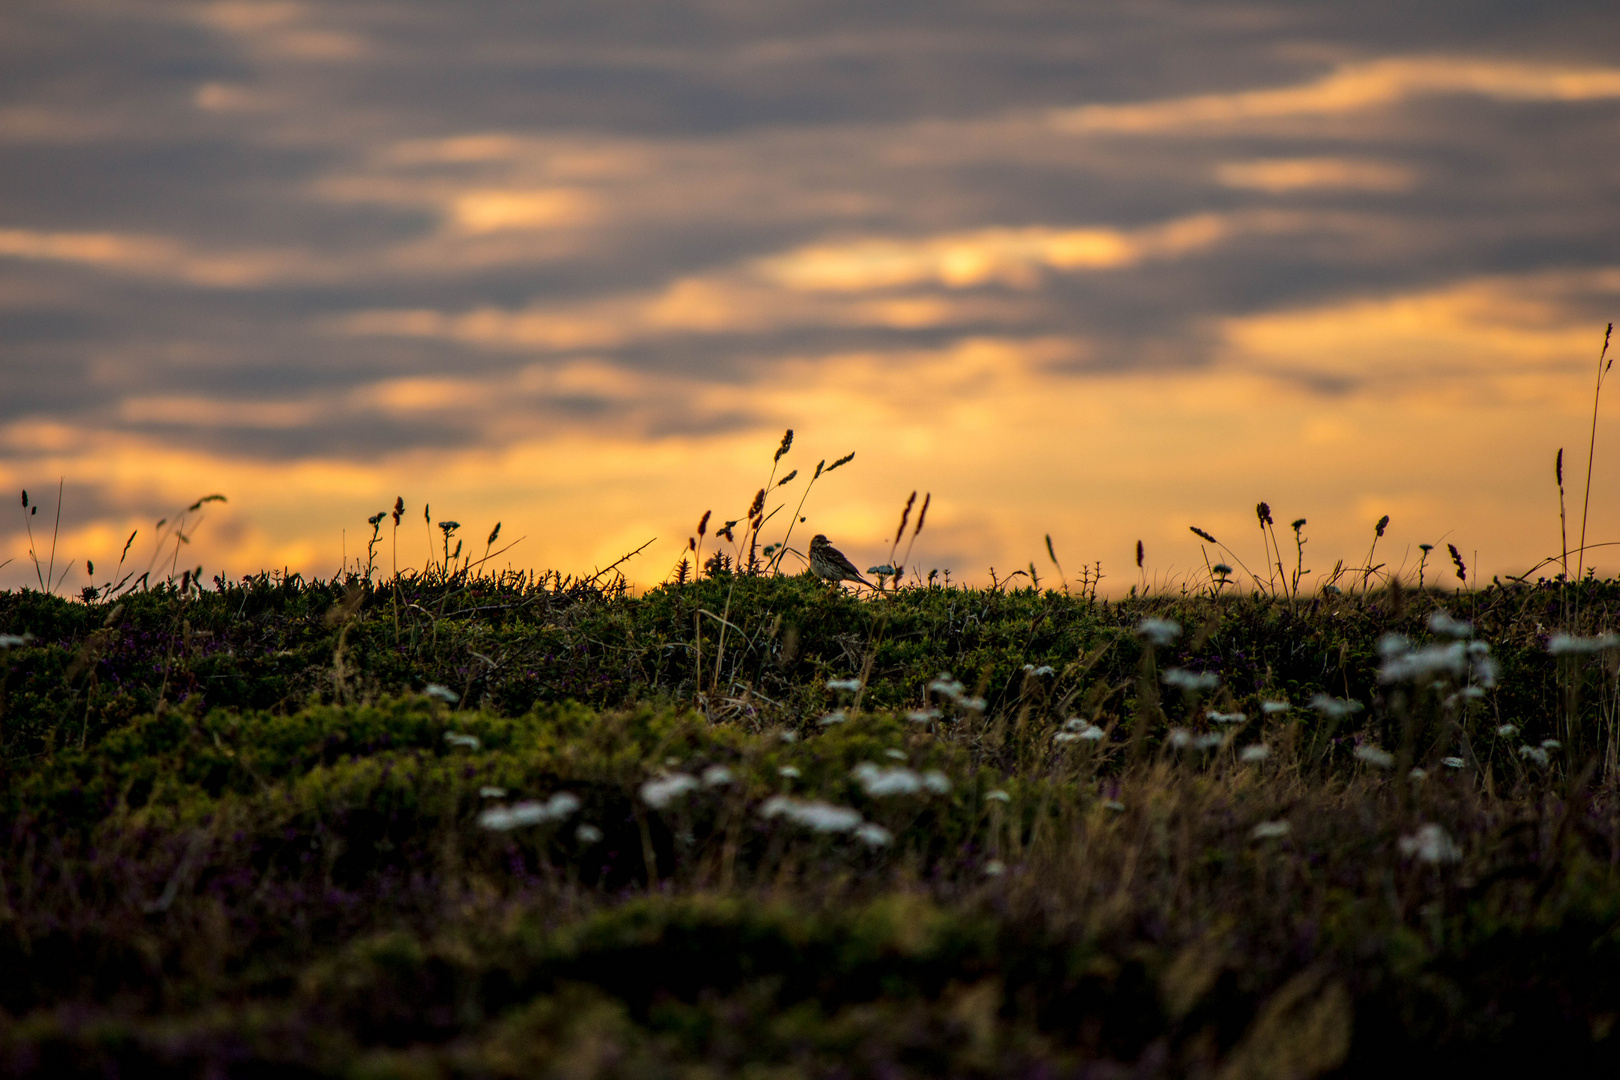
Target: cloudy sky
[[1102, 271]]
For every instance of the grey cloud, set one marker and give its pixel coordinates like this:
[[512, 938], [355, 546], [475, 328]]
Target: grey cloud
[[301, 166]]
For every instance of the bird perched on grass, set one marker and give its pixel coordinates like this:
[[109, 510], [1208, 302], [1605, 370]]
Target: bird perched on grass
[[829, 564]]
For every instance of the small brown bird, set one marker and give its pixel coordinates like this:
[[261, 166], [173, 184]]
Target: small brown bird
[[829, 564]]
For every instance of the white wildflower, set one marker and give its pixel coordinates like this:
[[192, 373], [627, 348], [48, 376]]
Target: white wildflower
[[973, 704], [789, 771], [1377, 758], [1270, 830], [442, 693], [946, 685], [995, 868], [1160, 632], [456, 738], [789, 736], [1257, 752], [716, 775], [844, 685], [1418, 773], [997, 795], [873, 835], [815, 815], [1453, 762], [879, 782], [1569, 645], [1272, 708], [1115, 805], [923, 716], [1444, 625], [936, 782], [1430, 844], [1507, 731], [660, 791], [1551, 744], [1065, 737], [1180, 738], [491, 792], [1335, 708], [1405, 664], [12, 641], [1190, 681], [557, 808], [837, 716], [1535, 755], [1226, 717], [1038, 672], [1091, 733], [588, 834], [898, 755]]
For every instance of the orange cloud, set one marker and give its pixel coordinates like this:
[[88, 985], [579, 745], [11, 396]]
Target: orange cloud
[[1354, 87], [1282, 175]]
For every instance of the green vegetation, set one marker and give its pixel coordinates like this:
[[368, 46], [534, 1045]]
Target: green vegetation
[[451, 826]]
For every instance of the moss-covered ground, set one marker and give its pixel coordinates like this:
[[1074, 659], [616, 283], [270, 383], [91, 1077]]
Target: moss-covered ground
[[753, 826]]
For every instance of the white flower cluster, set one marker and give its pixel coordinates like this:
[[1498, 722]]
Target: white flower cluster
[[1190, 681], [1442, 624], [1160, 632], [456, 738], [844, 685], [949, 687], [1038, 672], [661, 791], [1453, 660], [923, 716], [880, 782], [13, 641], [559, 807], [1569, 645], [1075, 729], [837, 716], [1182, 739], [1335, 708], [1225, 717], [441, 693], [825, 817], [1257, 752], [1430, 844], [1374, 756], [1535, 755], [1272, 708]]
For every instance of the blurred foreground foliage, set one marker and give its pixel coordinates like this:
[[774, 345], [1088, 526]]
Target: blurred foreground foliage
[[259, 831]]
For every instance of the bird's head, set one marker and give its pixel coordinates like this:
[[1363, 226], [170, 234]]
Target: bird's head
[[818, 540]]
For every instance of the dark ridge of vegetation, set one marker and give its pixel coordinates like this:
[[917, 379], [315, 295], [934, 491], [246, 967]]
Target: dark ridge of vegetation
[[520, 827]]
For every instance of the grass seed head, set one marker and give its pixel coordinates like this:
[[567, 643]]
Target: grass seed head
[[703, 522], [845, 460], [787, 444], [788, 478], [757, 505], [1262, 511], [1201, 534], [922, 514], [1383, 523]]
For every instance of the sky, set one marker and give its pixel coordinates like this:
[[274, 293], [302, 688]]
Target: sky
[[1099, 272]]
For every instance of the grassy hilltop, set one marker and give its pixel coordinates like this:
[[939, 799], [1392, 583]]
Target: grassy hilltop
[[518, 826]]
